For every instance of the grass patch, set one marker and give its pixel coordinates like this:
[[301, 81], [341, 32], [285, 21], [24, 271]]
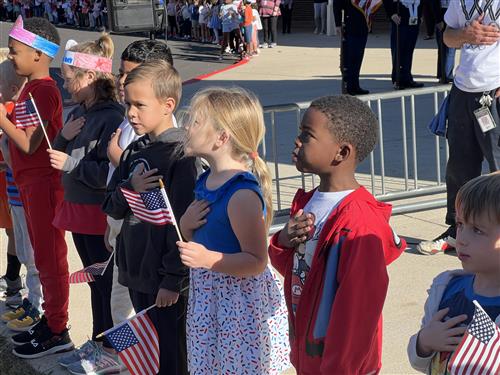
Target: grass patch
[[10, 364]]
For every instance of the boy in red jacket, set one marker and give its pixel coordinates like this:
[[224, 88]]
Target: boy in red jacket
[[335, 249]]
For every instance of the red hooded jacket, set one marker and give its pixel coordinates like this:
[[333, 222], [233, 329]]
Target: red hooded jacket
[[337, 327]]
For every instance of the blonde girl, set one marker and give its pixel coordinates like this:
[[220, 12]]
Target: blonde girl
[[80, 153], [235, 322]]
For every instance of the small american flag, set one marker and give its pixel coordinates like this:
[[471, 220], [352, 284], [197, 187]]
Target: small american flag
[[136, 342], [479, 350], [25, 114], [149, 206], [87, 274]]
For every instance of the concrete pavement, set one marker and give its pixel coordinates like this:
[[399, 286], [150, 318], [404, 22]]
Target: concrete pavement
[[305, 66]]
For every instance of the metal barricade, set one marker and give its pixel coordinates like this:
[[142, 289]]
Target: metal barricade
[[407, 163]]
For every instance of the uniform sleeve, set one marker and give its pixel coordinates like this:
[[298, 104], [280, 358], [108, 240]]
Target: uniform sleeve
[[92, 170], [390, 8], [452, 15], [357, 309], [180, 193]]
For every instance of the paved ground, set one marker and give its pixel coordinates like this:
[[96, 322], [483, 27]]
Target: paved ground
[[305, 66]]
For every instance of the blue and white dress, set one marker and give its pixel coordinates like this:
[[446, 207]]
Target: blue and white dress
[[235, 326]]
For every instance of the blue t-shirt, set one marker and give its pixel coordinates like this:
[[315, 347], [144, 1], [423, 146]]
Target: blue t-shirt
[[217, 233], [458, 296]]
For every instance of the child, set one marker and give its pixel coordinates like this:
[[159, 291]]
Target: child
[[195, 16], [135, 54], [215, 22], [204, 11], [230, 22], [80, 152], [248, 28], [256, 27], [32, 47], [449, 307], [233, 297], [171, 19], [334, 250], [28, 310], [148, 258]]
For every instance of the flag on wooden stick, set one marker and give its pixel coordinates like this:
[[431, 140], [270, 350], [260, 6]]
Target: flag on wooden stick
[[479, 350]]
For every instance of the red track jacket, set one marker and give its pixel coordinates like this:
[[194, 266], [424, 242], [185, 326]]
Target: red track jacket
[[337, 328]]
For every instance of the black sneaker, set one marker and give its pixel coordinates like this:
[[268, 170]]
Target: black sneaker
[[33, 332], [46, 343]]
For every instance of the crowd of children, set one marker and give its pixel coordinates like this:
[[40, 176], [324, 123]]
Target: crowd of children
[[218, 307], [91, 14]]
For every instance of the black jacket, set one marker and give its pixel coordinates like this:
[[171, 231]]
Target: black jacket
[[146, 254], [355, 21]]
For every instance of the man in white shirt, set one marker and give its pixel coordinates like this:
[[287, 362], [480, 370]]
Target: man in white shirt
[[474, 103]]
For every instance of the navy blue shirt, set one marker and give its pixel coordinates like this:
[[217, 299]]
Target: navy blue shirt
[[458, 296]]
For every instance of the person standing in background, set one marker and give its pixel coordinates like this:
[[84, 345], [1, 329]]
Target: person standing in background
[[446, 55], [269, 11], [286, 7], [405, 22], [320, 11], [358, 16]]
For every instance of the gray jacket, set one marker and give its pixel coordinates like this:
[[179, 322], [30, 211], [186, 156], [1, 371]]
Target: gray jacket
[[86, 169]]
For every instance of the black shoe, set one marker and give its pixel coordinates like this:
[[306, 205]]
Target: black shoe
[[46, 343], [357, 91], [33, 332], [415, 85]]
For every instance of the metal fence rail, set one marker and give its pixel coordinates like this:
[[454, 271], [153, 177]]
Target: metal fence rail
[[407, 163]]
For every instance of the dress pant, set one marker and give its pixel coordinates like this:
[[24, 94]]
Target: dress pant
[[469, 146], [408, 35], [286, 18], [354, 50]]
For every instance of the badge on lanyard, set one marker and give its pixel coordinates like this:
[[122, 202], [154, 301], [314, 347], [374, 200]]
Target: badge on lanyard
[[483, 114]]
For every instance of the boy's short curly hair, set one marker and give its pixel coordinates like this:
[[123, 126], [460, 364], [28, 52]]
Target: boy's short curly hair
[[142, 51], [480, 196], [350, 120], [42, 27]]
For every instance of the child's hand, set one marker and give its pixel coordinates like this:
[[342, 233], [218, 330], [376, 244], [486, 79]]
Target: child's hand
[[296, 230], [438, 336], [143, 181], [166, 298], [114, 151], [3, 111], [194, 217], [72, 128], [57, 159], [195, 255]]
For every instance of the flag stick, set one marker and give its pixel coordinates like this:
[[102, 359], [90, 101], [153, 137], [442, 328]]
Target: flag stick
[[169, 207], [107, 263], [125, 322], [40, 119]]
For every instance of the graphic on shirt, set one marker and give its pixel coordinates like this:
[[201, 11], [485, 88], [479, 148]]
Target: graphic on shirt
[[26, 115], [135, 164], [476, 8]]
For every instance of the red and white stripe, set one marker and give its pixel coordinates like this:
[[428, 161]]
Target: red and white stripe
[[159, 216], [24, 119], [81, 277], [472, 357], [144, 357]]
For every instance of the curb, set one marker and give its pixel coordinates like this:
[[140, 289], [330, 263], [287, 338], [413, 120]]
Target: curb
[[207, 75]]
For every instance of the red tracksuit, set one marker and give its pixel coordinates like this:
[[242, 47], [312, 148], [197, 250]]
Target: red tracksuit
[[337, 327], [41, 192]]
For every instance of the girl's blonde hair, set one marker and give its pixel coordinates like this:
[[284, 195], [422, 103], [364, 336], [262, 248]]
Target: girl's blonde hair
[[104, 84], [239, 113]]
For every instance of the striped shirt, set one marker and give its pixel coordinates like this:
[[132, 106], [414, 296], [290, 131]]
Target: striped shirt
[[12, 192]]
